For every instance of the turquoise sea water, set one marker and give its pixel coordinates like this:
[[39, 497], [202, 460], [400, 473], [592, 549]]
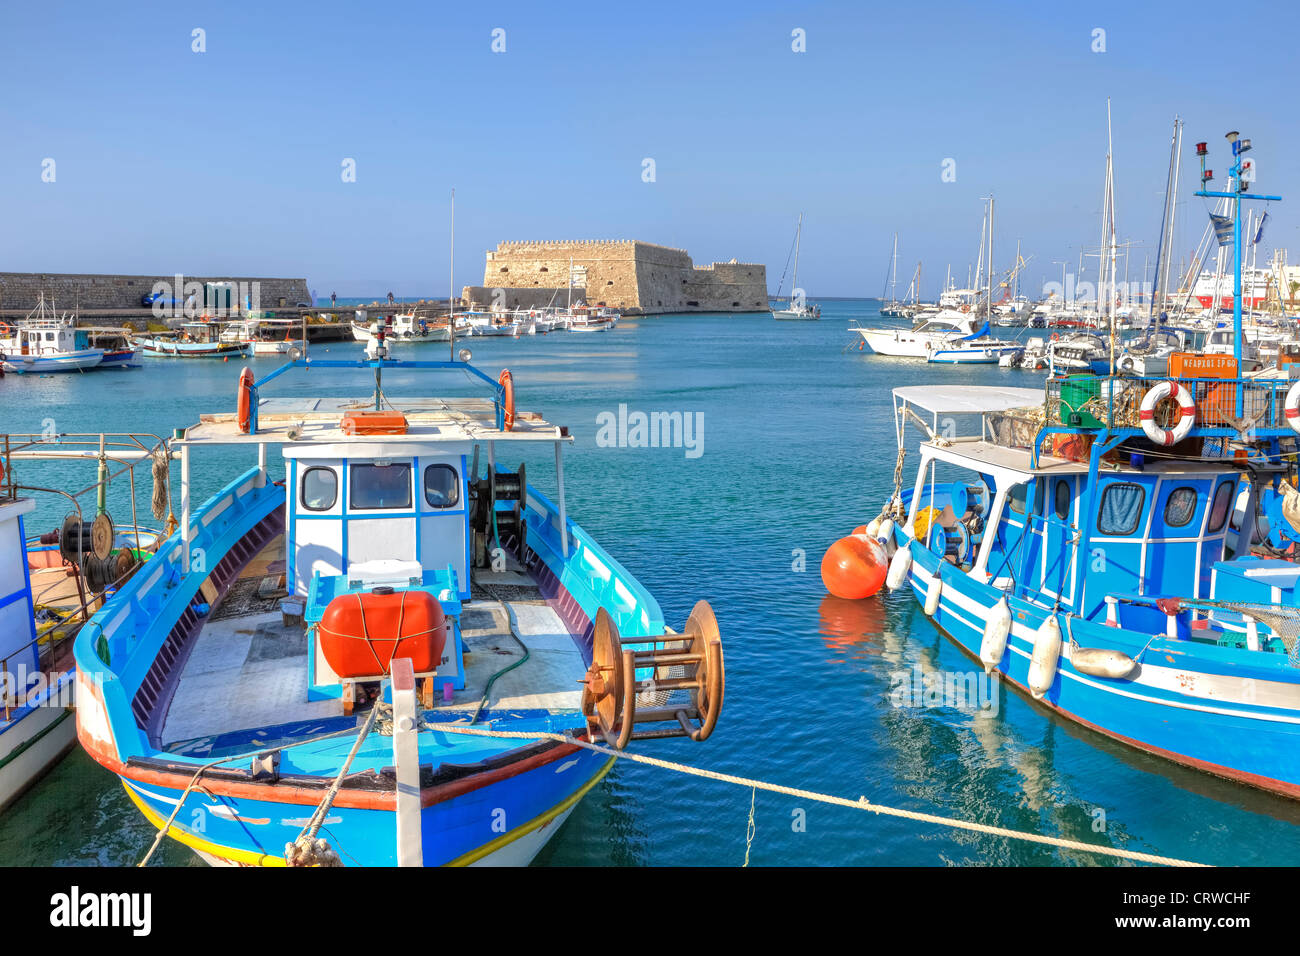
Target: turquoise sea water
[[798, 448]]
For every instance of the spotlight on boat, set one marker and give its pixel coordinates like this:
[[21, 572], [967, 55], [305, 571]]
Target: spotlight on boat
[[295, 353], [1232, 137], [465, 355]]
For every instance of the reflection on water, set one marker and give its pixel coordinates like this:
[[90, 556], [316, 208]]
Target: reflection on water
[[850, 627]]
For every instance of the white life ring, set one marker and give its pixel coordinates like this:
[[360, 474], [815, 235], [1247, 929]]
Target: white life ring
[[1186, 413], [1291, 406]]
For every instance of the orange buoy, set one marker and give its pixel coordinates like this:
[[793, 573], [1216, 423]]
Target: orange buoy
[[861, 529], [854, 567], [244, 404]]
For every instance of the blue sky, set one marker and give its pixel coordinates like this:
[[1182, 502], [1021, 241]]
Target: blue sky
[[230, 160]]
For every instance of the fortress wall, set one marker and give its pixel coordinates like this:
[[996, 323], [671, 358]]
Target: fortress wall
[[632, 276], [22, 290]]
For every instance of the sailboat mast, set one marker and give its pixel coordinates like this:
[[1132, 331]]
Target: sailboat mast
[[451, 280], [794, 283]]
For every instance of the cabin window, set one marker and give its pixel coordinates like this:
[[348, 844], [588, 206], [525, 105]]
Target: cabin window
[[1219, 511], [320, 489], [441, 486], [1016, 499], [1121, 508], [1180, 507], [1062, 499], [381, 485]]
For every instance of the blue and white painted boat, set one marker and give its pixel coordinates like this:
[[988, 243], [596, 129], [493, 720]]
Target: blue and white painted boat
[[199, 339], [228, 723], [48, 345]]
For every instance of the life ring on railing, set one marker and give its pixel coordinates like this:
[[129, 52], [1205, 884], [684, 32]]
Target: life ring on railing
[[508, 398], [1186, 413], [6, 330], [965, 308], [244, 401], [1056, 336], [1291, 407]]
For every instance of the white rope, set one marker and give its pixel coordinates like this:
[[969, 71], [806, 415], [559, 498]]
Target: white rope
[[862, 803]]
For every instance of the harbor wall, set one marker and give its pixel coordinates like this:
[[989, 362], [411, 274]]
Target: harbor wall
[[629, 275], [89, 291], [480, 296]]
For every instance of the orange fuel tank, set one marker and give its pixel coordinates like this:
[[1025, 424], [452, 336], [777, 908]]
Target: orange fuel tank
[[361, 634]]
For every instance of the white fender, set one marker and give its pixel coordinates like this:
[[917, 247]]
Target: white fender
[[932, 595], [899, 566], [996, 630], [1047, 651], [1102, 662], [1186, 413], [1291, 406], [873, 527], [885, 535]]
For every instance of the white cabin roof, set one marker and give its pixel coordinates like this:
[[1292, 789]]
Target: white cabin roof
[[967, 399], [320, 421]]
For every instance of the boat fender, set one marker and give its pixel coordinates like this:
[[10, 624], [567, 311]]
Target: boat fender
[[899, 567], [885, 535], [1043, 661], [996, 630], [244, 405], [1102, 662], [1292, 407], [872, 529], [933, 593], [1186, 413]]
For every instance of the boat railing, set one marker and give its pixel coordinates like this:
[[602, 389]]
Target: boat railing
[[588, 572], [1114, 403]]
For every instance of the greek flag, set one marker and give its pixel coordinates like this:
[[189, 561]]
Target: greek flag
[[1222, 229], [1259, 233]]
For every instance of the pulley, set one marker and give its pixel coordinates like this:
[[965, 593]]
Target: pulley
[[102, 536], [615, 701], [75, 539]]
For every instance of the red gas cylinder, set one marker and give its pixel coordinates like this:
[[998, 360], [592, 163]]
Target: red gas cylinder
[[361, 634]]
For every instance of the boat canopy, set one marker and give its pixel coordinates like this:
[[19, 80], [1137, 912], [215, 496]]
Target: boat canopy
[[966, 399]]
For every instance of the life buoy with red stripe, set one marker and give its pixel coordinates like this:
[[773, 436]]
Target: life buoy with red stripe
[[244, 402], [1291, 407], [508, 398], [1186, 413]]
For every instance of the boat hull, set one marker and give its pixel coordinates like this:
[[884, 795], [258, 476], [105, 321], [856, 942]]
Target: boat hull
[[31, 745], [79, 361], [1211, 721]]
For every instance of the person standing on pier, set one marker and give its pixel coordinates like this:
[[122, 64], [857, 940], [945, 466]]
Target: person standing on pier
[[334, 296]]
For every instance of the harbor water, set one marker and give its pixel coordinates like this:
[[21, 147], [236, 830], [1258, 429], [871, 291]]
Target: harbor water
[[791, 445]]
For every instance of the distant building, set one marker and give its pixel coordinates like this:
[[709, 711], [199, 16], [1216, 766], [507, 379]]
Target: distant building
[[637, 278]]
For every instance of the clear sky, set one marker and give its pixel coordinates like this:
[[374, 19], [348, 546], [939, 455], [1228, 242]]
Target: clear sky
[[230, 161]]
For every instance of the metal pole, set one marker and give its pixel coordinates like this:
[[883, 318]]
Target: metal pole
[[1236, 279], [564, 520], [185, 508]]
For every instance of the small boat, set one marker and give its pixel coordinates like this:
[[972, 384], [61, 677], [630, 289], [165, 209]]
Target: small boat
[[406, 327], [949, 337], [47, 342], [194, 340], [587, 319], [49, 584], [798, 310], [395, 655], [263, 334]]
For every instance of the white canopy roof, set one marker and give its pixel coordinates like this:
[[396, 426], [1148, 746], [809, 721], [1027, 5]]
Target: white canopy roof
[[967, 399]]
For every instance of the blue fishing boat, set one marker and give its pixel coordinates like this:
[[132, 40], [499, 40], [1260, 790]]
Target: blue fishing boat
[[1121, 548], [48, 584], [199, 339], [398, 653]]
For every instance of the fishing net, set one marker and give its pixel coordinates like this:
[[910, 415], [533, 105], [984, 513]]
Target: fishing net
[[1284, 622]]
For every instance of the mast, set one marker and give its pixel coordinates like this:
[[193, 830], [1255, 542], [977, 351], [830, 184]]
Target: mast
[[893, 281], [451, 290], [794, 283]]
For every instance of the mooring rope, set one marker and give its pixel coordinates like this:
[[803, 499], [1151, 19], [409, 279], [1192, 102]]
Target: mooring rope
[[862, 803]]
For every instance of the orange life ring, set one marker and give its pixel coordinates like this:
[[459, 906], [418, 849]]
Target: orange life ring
[[6, 330], [508, 398], [965, 308], [1056, 336], [244, 403]]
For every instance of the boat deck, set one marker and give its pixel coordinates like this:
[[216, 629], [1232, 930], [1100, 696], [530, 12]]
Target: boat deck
[[247, 672]]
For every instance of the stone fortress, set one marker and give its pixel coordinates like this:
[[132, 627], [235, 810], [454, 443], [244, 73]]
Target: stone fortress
[[636, 278]]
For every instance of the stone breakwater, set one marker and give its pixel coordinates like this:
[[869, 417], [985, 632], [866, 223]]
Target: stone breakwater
[[90, 293], [637, 278]]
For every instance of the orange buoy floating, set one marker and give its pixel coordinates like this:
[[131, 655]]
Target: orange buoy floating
[[855, 567]]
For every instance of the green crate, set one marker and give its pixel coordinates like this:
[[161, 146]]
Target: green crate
[[1076, 392]]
